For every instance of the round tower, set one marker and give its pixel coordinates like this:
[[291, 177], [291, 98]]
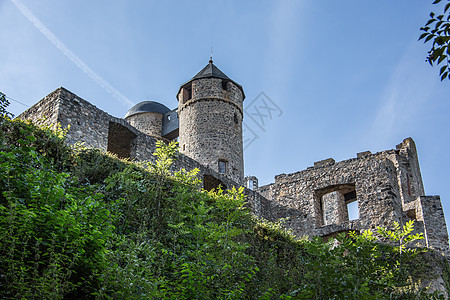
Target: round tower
[[210, 111], [147, 116]]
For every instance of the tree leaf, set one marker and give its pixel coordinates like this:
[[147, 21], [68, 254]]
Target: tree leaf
[[423, 35], [429, 37], [430, 21]]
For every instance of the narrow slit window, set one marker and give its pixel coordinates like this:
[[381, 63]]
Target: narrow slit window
[[250, 184], [222, 166], [187, 93]]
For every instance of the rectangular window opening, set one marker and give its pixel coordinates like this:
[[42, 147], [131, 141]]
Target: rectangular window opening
[[187, 92], [224, 84], [352, 209], [250, 184], [222, 166]]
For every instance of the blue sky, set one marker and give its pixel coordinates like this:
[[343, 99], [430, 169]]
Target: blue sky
[[347, 76]]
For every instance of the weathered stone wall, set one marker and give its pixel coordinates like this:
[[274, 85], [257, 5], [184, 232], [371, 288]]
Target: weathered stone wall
[[406, 162], [96, 129], [149, 123], [319, 193], [45, 111], [91, 126], [211, 125], [385, 186], [431, 213]]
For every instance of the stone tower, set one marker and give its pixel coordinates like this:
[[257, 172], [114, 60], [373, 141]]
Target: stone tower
[[147, 117], [210, 111]]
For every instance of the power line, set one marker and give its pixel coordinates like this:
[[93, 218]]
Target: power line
[[9, 98]]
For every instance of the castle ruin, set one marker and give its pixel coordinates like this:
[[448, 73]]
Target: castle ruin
[[384, 187]]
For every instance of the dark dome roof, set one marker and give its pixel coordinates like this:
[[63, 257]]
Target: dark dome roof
[[147, 106]]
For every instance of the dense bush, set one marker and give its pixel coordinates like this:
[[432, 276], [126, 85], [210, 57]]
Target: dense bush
[[80, 224]]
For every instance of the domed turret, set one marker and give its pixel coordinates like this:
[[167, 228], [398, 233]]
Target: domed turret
[[147, 116], [210, 111]]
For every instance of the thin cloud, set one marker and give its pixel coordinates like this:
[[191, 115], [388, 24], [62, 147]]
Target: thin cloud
[[402, 101], [70, 55]]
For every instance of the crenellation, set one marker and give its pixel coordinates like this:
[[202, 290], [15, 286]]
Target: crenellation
[[324, 163]]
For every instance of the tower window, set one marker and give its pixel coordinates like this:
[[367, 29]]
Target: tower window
[[236, 119], [224, 84], [187, 92], [222, 166]]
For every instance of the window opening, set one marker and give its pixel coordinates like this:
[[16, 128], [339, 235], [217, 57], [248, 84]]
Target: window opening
[[336, 204], [224, 84], [222, 166], [352, 209], [120, 140], [250, 184], [187, 94], [352, 205]]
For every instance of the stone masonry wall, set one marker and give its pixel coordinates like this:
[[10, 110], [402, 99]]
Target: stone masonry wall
[[45, 111], [149, 123], [211, 125], [383, 184], [432, 215], [387, 185], [93, 127], [372, 179]]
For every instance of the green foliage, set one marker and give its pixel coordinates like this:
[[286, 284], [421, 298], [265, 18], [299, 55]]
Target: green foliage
[[440, 35], [401, 236], [83, 224], [4, 103], [53, 233]]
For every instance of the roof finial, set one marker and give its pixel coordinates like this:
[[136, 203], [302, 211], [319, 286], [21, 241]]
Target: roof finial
[[210, 58]]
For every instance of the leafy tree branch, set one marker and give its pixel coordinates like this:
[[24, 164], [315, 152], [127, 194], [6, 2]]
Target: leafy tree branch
[[437, 31]]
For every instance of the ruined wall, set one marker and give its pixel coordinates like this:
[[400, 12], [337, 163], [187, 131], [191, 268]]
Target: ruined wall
[[322, 192], [429, 211], [406, 162], [387, 187], [45, 111], [91, 126]]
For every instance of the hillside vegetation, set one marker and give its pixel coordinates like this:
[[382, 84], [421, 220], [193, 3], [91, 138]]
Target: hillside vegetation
[[80, 224]]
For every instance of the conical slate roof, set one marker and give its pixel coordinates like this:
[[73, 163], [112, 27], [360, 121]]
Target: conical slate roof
[[211, 71]]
